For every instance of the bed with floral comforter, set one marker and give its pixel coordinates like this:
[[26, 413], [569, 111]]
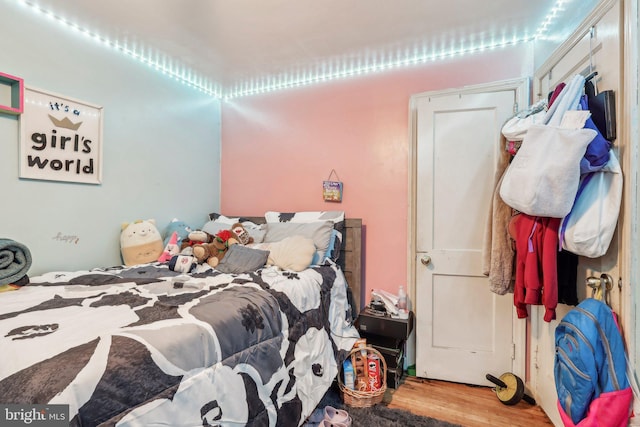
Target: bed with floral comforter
[[146, 346]]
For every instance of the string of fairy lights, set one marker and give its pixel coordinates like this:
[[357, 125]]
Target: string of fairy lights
[[339, 68]]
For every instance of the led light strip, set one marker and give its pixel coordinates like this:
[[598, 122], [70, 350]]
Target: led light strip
[[305, 78], [182, 75], [551, 16], [273, 84]]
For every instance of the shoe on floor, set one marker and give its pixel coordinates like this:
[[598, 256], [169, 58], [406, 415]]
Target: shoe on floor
[[336, 417], [325, 423]]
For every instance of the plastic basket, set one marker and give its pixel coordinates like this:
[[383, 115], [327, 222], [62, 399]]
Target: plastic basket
[[364, 399]]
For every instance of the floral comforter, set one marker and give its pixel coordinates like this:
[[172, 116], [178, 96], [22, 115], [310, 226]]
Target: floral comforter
[[143, 346]]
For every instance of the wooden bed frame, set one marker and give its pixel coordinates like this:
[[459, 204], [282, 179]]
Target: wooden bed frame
[[350, 257], [351, 260]]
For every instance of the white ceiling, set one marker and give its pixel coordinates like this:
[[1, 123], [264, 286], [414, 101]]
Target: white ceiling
[[231, 47]]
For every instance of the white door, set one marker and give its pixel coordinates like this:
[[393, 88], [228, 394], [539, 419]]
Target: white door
[[463, 330]]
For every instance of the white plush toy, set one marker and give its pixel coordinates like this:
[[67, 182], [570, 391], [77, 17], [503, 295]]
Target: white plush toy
[[140, 242]]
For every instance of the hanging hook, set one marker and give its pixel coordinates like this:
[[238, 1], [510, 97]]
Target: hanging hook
[[592, 33], [590, 76]]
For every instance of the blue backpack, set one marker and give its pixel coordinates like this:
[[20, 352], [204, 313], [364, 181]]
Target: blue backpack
[[591, 368]]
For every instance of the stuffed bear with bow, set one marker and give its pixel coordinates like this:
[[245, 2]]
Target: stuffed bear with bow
[[213, 251]]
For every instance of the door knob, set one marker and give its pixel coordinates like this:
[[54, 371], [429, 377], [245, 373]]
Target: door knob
[[605, 282], [425, 260], [600, 286]]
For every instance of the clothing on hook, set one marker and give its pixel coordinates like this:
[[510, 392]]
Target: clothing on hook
[[568, 99]]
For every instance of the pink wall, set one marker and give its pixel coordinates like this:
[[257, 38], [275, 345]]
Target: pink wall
[[278, 147]]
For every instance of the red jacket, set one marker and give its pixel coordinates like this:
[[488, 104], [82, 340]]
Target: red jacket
[[536, 263]]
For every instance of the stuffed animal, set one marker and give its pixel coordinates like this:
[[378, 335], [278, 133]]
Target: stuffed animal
[[196, 237], [180, 227], [241, 233], [171, 249], [140, 242], [183, 263], [213, 252]]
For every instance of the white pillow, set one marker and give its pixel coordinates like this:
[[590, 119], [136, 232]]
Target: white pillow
[[293, 253]]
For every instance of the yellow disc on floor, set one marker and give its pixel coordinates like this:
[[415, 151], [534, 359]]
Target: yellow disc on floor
[[514, 391]]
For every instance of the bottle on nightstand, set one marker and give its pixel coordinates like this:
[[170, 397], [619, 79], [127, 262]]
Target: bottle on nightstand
[[402, 303]]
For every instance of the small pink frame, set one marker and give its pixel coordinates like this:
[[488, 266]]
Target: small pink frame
[[17, 94]]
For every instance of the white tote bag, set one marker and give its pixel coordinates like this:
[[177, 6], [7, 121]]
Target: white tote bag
[[516, 127], [543, 177], [589, 227]]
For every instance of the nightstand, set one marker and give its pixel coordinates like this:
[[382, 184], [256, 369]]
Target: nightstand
[[388, 335]]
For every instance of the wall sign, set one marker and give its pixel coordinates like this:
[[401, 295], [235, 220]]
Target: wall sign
[[60, 139], [332, 190]]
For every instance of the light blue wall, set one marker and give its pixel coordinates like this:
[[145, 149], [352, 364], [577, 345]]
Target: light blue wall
[[161, 147]]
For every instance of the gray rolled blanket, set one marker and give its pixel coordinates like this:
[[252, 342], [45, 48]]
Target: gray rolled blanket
[[15, 260]]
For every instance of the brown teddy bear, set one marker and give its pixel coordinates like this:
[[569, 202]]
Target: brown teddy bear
[[214, 251], [242, 235], [194, 238]]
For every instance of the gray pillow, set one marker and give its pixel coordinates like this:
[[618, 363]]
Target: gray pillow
[[241, 259], [214, 227], [319, 232], [256, 231]]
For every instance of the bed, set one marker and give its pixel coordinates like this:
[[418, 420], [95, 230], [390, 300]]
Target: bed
[[145, 345]]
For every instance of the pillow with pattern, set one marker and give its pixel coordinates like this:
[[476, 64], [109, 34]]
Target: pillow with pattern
[[337, 217], [214, 216]]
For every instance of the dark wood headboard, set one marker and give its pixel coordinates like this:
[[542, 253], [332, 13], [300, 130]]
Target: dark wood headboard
[[350, 257], [351, 260]]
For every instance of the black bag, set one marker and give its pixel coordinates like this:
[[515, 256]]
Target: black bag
[[603, 110]]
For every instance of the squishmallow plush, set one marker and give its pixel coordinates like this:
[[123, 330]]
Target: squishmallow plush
[[140, 242], [180, 227]]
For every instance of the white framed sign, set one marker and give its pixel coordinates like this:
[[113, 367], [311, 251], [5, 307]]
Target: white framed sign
[[60, 138]]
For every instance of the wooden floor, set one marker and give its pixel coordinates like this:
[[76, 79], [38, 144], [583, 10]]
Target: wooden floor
[[469, 406]]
